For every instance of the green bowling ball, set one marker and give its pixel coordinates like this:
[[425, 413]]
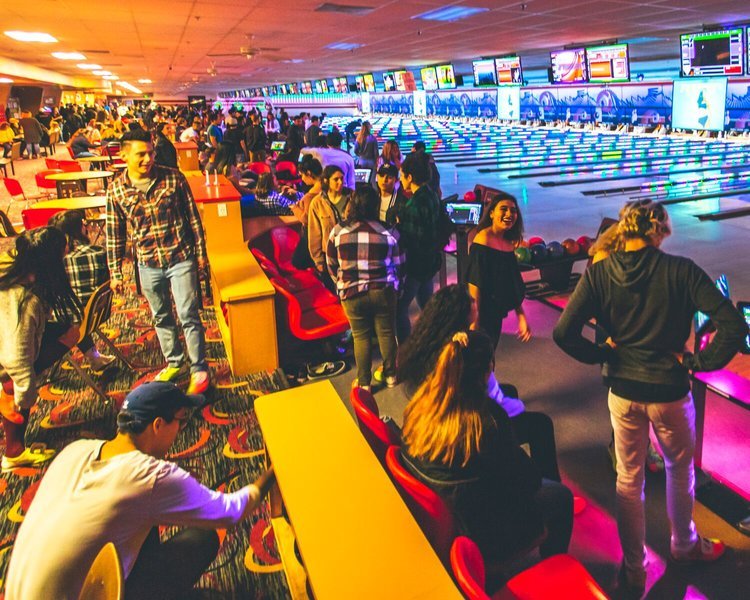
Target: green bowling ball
[[522, 254]]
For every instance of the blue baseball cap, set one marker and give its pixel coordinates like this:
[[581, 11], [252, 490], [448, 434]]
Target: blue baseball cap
[[158, 399]]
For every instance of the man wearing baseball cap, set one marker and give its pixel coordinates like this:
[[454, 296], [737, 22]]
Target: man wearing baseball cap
[[121, 491]]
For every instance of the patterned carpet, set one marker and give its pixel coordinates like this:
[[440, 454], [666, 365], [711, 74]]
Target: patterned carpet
[[222, 447]]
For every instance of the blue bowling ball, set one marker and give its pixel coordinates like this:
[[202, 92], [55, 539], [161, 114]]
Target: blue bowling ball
[[538, 253], [555, 250]]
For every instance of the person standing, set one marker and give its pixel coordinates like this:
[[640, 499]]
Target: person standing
[[33, 132], [156, 204], [365, 261], [214, 134], [165, 153], [366, 147], [255, 139], [493, 274], [392, 197], [645, 300], [418, 226], [313, 132]]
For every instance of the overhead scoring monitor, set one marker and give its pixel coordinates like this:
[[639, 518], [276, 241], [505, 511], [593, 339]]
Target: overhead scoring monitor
[[508, 70], [429, 79], [484, 72], [712, 53], [389, 81], [608, 64], [446, 78], [569, 66]]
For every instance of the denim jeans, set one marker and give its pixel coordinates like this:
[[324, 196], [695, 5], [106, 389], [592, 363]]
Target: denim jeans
[[674, 426], [182, 279], [373, 310], [31, 147], [411, 288]]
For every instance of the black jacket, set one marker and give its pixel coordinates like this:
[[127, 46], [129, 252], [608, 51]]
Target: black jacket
[[165, 153], [645, 301]]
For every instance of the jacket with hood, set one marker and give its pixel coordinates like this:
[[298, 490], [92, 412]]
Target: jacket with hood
[[645, 301]]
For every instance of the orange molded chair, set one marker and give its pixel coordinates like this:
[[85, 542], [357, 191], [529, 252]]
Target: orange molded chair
[[38, 217], [293, 177], [51, 163], [259, 168], [378, 434], [429, 509], [308, 320], [70, 166], [44, 184], [556, 576]]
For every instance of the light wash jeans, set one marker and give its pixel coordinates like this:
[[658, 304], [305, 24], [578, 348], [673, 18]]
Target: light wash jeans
[[182, 279], [674, 426]]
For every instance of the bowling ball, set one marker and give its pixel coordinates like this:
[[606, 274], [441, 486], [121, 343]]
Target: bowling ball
[[538, 253], [523, 255], [535, 240], [555, 250], [470, 196], [571, 247], [524, 243], [585, 243]]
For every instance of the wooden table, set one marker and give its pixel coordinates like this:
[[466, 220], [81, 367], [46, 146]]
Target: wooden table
[[94, 160], [84, 203], [356, 536], [82, 177]]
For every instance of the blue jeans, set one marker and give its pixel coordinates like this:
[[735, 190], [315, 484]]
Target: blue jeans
[[32, 147], [422, 291], [182, 280]]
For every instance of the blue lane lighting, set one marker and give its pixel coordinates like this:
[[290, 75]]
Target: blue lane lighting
[[343, 46], [448, 14]]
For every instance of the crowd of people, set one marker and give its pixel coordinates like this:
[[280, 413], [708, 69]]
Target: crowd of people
[[378, 245]]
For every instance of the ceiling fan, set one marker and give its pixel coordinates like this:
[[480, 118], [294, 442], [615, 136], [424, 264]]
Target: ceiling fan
[[249, 52]]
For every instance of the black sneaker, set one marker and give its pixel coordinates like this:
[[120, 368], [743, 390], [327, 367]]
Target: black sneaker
[[632, 585], [325, 370]]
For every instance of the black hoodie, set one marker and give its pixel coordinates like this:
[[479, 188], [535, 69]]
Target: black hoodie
[[645, 301]]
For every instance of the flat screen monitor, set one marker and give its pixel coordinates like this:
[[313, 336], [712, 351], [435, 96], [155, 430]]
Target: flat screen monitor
[[274, 89], [429, 79], [484, 72], [712, 53], [323, 86], [293, 88], [569, 66], [744, 308], [340, 85], [508, 70], [446, 78], [701, 320], [307, 87], [389, 81], [464, 213], [699, 104], [282, 88], [277, 146], [318, 87], [608, 64], [362, 175], [405, 81], [359, 81], [369, 80], [264, 91]]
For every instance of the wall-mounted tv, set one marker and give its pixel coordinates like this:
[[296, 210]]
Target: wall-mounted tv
[[293, 89], [369, 80], [389, 81], [508, 70], [283, 89], [699, 104], [307, 87], [274, 89], [569, 66], [446, 78], [323, 86], [608, 64], [405, 81], [340, 85], [429, 79], [712, 53], [484, 72], [359, 81]]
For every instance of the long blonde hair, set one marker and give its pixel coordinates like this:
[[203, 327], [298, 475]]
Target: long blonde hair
[[444, 420], [364, 133]]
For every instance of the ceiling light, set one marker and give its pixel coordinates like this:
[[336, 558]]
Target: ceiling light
[[89, 66], [69, 55], [101, 73], [5, 80], [111, 77], [31, 36], [343, 46], [145, 81], [450, 13], [129, 87]]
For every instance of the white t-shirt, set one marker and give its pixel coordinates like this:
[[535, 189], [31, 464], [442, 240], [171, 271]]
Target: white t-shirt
[[334, 156], [83, 503], [189, 135]]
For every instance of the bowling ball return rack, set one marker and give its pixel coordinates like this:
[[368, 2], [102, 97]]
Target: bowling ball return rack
[[555, 276]]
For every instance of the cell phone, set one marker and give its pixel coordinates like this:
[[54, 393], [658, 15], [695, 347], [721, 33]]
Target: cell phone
[[744, 308]]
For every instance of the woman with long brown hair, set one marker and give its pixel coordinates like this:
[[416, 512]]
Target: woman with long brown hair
[[390, 155], [366, 147], [461, 444]]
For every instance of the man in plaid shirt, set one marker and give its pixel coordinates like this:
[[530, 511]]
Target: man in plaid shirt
[[366, 262], [156, 204]]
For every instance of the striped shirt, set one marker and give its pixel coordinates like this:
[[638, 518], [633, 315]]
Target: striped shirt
[[364, 255], [163, 222]]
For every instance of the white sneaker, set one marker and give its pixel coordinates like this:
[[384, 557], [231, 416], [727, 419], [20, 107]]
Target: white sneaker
[[98, 362]]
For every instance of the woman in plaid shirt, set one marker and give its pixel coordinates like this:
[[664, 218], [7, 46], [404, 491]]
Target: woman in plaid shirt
[[365, 261], [86, 266]]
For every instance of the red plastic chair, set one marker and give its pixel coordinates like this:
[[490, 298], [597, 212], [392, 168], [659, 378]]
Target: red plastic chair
[[70, 151], [16, 191], [45, 184], [51, 163], [556, 575], [38, 217], [377, 433], [307, 320], [258, 168], [298, 280], [284, 240], [286, 165], [69, 166], [429, 509]]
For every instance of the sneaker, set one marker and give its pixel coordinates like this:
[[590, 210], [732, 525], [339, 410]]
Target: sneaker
[[325, 369], [355, 384], [170, 373], [199, 382], [704, 550], [389, 381], [632, 584], [33, 456], [99, 362]]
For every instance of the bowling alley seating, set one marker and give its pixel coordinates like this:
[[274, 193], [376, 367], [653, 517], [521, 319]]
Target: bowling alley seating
[[69, 166], [15, 154], [13, 186], [286, 173], [45, 185], [379, 434], [258, 168], [554, 577], [38, 217]]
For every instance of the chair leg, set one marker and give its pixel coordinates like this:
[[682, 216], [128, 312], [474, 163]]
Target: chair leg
[[117, 352], [87, 378]]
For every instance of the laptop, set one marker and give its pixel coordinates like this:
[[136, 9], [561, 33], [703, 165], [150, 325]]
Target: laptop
[[464, 213], [362, 175], [277, 146]]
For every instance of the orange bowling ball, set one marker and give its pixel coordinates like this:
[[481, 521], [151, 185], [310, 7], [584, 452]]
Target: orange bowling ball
[[572, 248]]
